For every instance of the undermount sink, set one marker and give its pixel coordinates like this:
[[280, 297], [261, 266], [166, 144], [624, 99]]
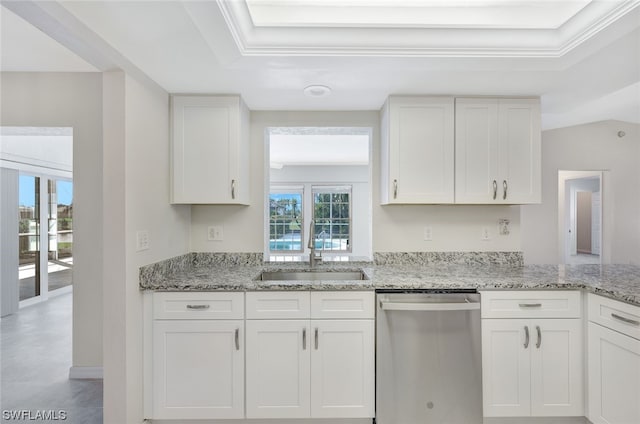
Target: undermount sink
[[312, 275]]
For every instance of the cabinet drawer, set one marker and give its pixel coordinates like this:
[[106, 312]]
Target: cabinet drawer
[[342, 304], [278, 305], [530, 304], [201, 305], [616, 315]]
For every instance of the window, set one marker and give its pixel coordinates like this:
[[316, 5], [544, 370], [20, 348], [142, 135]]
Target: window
[[286, 220], [332, 218]]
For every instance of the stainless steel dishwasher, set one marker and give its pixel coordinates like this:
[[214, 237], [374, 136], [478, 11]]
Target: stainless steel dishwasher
[[428, 358]]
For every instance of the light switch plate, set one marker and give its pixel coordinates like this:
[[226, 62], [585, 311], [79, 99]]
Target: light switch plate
[[142, 240], [214, 233], [486, 234], [428, 233]]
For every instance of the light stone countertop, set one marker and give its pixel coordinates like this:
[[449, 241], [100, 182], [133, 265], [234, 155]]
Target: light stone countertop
[[620, 282]]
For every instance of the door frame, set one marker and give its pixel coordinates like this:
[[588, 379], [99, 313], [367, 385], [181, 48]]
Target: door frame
[[566, 214]]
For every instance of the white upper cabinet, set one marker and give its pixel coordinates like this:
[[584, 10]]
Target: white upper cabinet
[[209, 150], [498, 151], [417, 150]]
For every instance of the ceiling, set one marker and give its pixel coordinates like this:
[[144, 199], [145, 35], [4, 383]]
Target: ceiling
[[581, 56]]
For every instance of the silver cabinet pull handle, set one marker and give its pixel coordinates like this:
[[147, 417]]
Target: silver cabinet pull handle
[[504, 189], [530, 305], [237, 339], [526, 336], [198, 307], [233, 189], [304, 338], [539, 342], [316, 338], [627, 320], [395, 189], [495, 189]]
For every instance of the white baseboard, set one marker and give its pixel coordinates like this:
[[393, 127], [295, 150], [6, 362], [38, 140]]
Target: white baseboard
[[85, 373]]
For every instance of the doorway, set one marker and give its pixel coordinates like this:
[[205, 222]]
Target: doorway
[[37, 214], [580, 217]]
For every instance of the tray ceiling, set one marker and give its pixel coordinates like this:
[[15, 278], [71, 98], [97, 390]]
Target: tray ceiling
[[582, 57]]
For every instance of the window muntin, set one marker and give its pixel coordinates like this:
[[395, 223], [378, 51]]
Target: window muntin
[[286, 223], [332, 218]]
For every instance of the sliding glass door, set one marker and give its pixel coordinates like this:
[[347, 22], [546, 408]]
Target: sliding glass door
[[45, 260]]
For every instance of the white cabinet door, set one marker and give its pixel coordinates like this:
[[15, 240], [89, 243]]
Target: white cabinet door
[[418, 150], [278, 369], [506, 378], [519, 177], [198, 369], [210, 150], [556, 368], [342, 369], [614, 377], [476, 150], [498, 151]]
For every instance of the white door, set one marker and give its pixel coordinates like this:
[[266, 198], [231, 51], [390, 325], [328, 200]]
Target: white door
[[519, 151], [476, 150], [506, 379], [614, 377], [198, 369], [342, 369], [278, 367], [421, 150], [556, 368]]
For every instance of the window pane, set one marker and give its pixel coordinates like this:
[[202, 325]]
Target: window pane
[[60, 234], [29, 236], [285, 226], [332, 216]]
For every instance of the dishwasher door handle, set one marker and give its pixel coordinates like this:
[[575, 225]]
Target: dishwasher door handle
[[423, 306]]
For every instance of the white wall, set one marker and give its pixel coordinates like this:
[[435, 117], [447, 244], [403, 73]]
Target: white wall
[[136, 164], [395, 227], [71, 100], [594, 146]]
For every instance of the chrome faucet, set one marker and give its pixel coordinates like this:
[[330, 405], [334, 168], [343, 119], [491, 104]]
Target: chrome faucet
[[313, 259]]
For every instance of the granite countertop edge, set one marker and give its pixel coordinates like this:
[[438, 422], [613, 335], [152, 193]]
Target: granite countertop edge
[[619, 282]]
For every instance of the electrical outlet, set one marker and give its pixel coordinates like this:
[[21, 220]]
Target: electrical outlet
[[214, 233], [142, 240], [486, 234], [503, 225], [428, 234]]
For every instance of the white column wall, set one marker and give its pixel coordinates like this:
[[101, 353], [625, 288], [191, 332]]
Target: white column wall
[[31, 99], [136, 193]]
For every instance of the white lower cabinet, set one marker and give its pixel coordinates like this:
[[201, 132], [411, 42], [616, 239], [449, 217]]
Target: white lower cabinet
[[278, 369], [614, 362], [198, 369], [310, 368], [342, 369], [531, 366]]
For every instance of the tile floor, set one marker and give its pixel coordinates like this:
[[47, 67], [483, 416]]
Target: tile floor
[[35, 356]]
